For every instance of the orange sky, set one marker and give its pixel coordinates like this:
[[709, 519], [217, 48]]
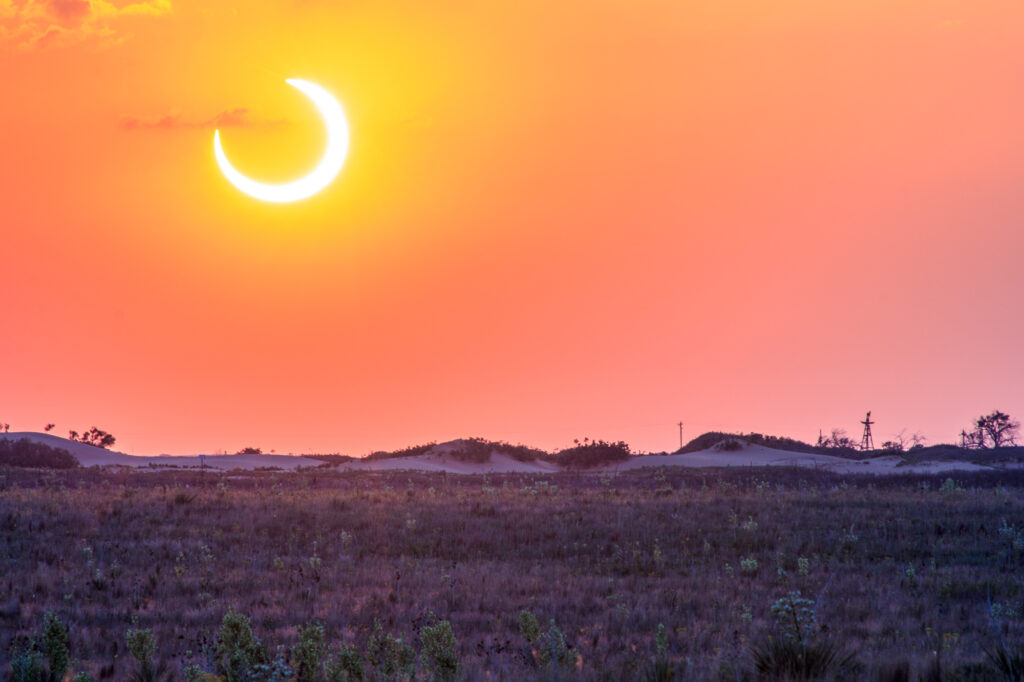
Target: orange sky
[[556, 220]]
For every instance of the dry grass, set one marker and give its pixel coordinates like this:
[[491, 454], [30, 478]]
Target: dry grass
[[900, 567]]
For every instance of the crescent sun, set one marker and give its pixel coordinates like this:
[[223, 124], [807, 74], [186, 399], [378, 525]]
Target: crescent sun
[[321, 176]]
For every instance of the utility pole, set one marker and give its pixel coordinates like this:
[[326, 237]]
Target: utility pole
[[680, 435]]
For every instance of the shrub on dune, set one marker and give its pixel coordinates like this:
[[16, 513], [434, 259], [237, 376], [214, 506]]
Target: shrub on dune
[[26, 453], [593, 454]]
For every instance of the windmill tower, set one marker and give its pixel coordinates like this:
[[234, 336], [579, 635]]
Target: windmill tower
[[867, 442]]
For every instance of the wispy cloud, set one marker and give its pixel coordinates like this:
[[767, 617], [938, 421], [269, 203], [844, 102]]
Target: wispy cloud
[[230, 118], [28, 24]]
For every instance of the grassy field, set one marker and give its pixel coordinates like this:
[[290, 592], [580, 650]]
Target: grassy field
[[660, 574]]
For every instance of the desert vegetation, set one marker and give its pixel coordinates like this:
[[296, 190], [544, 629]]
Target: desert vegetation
[[93, 436], [661, 574], [27, 453], [583, 454]]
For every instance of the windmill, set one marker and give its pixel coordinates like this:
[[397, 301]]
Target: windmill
[[867, 442]]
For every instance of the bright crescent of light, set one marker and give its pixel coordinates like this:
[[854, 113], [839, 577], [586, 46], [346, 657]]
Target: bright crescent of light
[[321, 176]]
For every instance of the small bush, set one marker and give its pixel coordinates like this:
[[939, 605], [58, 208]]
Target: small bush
[[55, 645], [440, 650], [142, 646], [529, 627], [413, 451], [552, 649], [593, 454], [308, 653], [273, 671], [26, 660], [238, 650], [389, 655], [345, 665]]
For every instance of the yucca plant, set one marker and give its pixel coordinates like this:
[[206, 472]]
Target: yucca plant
[[788, 659], [661, 668], [1007, 663], [795, 655]]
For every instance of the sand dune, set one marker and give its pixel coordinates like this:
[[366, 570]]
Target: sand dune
[[90, 455], [759, 456], [498, 464], [441, 458]]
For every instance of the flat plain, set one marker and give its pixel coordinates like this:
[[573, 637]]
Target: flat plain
[[905, 574]]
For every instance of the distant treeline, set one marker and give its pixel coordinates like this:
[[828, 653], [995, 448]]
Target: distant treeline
[[478, 450], [595, 453], [919, 453], [26, 453]]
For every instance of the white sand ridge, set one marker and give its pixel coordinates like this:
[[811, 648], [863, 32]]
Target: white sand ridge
[[444, 457]]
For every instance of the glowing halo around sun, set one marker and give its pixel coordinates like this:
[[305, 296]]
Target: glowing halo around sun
[[321, 176]]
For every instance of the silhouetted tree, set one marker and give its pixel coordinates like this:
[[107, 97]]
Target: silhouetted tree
[[48, 427], [838, 439], [93, 436], [997, 430], [250, 451]]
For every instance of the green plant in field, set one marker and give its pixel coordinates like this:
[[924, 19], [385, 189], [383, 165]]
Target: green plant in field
[[749, 565], [848, 540], [238, 650], [1013, 537], [911, 574], [389, 655], [548, 647], [345, 665], [661, 668], [276, 670], [440, 650], [55, 645], [308, 653], [26, 660], [552, 649], [142, 647], [529, 627], [794, 615], [950, 486], [82, 677], [796, 655]]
